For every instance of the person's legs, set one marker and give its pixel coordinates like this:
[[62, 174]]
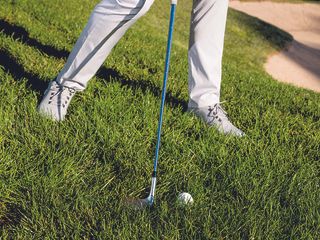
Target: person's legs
[[207, 28], [108, 22]]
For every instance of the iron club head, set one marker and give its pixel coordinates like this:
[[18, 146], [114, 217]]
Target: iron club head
[[139, 204]]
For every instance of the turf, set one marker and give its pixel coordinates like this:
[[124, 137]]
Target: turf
[[68, 180]]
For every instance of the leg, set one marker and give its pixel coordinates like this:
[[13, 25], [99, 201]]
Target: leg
[[208, 22], [207, 29], [107, 24]]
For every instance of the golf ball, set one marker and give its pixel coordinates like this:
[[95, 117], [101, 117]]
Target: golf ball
[[185, 198]]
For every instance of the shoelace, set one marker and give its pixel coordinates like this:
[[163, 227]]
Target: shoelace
[[217, 112], [57, 90]]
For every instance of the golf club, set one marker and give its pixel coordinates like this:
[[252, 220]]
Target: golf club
[[146, 202]]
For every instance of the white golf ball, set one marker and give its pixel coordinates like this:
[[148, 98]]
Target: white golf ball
[[185, 198]]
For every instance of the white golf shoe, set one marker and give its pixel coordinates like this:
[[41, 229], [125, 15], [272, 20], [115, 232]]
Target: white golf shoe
[[217, 117], [55, 101]]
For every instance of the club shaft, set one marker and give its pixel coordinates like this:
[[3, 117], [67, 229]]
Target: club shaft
[[163, 96]]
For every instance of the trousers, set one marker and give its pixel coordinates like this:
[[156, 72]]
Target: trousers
[[110, 20]]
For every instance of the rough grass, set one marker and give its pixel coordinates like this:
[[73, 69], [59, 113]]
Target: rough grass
[[68, 180]]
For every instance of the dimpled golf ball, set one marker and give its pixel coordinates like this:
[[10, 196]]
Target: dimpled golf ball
[[185, 198]]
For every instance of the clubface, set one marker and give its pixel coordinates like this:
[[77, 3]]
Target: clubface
[[139, 204]]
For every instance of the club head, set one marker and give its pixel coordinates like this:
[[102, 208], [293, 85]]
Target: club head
[[139, 204]]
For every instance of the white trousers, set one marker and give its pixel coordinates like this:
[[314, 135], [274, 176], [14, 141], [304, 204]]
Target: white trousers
[[112, 18]]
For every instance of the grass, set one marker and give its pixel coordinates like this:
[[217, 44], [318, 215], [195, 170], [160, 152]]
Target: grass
[[68, 180]]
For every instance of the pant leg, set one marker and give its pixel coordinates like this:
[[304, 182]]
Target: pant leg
[[108, 22], [207, 28]]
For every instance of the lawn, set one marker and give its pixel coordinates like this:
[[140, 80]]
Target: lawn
[[69, 180]]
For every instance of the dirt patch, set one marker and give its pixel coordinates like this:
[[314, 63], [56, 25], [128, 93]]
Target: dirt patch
[[299, 63]]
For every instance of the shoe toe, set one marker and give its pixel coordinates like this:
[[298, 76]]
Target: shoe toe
[[48, 111]]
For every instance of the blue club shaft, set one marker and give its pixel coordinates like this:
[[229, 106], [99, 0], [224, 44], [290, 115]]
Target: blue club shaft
[[163, 96]]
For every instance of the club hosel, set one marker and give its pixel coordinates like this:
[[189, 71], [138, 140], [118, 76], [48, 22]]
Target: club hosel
[[153, 186], [174, 2], [154, 174]]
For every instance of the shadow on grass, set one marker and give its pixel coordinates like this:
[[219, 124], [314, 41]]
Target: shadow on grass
[[271, 33], [17, 71], [39, 85], [10, 214], [20, 34]]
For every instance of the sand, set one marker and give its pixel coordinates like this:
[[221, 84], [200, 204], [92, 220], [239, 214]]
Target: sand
[[299, 64]]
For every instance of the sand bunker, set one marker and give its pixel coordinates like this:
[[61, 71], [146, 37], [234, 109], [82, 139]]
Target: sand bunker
[[299, 64]]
